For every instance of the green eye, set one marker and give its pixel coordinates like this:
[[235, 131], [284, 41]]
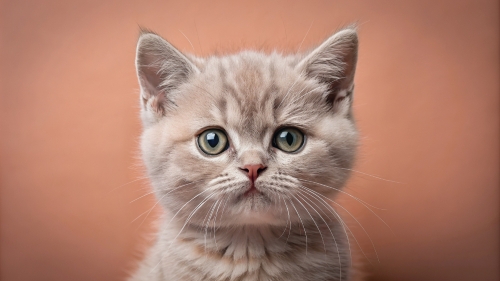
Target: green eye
[[212, 141], [288, 139]]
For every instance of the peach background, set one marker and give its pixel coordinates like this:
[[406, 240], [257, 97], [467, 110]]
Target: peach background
[[427, 103]]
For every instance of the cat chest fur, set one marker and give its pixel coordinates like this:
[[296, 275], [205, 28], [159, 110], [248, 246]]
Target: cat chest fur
[[251, 253]]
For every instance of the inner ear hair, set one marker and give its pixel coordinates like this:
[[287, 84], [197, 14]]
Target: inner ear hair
[[336, 96]]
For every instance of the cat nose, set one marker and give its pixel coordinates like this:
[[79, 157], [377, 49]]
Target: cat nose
[[253, 170]]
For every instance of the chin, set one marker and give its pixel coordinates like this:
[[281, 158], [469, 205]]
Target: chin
[[256, 209], [258, 218]]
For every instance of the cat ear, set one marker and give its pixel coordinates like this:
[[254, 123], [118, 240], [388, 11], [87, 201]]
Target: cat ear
[[161, 68], [333, 63]]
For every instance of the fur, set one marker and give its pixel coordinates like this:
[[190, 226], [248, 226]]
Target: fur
[[210, 230]]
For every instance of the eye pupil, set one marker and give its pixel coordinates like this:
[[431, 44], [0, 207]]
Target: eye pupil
[[212, 139], [289, 139]]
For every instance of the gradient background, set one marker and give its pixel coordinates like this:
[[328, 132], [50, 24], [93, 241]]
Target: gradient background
[[427, 104]]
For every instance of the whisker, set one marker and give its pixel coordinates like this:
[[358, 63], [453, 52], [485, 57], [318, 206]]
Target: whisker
[[186, 204], [371, 241], [222, 213], [187, 220], [340, 220], [208, 221], [138, 179], [288, 92], [288, 220], [286, 226], [149, 193], [191, 215], [329, 229], [344, 192], [357, 199], [170, 191], [188, 40], [148, 210], [303, 226], [301, 96], [214, 227], [366, 174], [201, 227], [298, 50], [158, 201], [319, 230]]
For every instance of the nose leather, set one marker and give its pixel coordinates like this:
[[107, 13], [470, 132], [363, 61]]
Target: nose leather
[[253, 171]]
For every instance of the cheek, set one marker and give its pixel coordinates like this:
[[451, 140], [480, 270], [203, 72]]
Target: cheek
[[185, 166], [312, 159], [186, 161], [315, 163]]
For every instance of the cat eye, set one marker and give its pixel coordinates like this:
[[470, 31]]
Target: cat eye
[[213, 141], [288, 139]]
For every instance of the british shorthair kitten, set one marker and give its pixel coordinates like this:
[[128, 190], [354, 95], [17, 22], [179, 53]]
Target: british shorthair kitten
[[244, 153]]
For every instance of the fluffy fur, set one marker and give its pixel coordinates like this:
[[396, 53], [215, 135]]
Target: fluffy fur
[[211, 230]]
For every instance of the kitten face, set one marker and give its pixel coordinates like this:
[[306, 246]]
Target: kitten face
[[262, 105]]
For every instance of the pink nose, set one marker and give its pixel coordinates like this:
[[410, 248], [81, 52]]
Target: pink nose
[[253, 171]]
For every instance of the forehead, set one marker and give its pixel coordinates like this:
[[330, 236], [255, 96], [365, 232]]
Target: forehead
[[252, 93]]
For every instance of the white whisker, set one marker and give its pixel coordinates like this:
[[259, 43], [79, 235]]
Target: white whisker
[[187, 220], [357, 199], [138, 179], [289, 220], [208, 220], [222, 213], [303, 226], [281, 209], [303, 95], [319, 230], [288, 92], [329, 229], [364, 230], [336, 216], [344, 192], [149, 193], [366, 174], [185, 205], [298, 50], [214, 225], [188, 40]]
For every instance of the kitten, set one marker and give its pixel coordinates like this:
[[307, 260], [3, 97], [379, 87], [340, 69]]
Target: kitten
[[243, 153]]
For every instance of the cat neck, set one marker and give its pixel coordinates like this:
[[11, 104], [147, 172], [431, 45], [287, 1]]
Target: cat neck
[[262, 250]]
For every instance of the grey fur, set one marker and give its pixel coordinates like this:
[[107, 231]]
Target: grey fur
[[209, 230]]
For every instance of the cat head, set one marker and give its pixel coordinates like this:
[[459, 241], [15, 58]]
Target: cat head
[[265, 136]]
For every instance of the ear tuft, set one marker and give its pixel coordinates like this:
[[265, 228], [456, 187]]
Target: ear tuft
[[334, 63], [161, 68]]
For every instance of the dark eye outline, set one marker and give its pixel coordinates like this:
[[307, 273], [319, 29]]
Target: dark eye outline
[[206, 131], [276, 134]]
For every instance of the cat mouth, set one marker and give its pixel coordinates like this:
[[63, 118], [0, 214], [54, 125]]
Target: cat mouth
[[252, 191], [252, 194]]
